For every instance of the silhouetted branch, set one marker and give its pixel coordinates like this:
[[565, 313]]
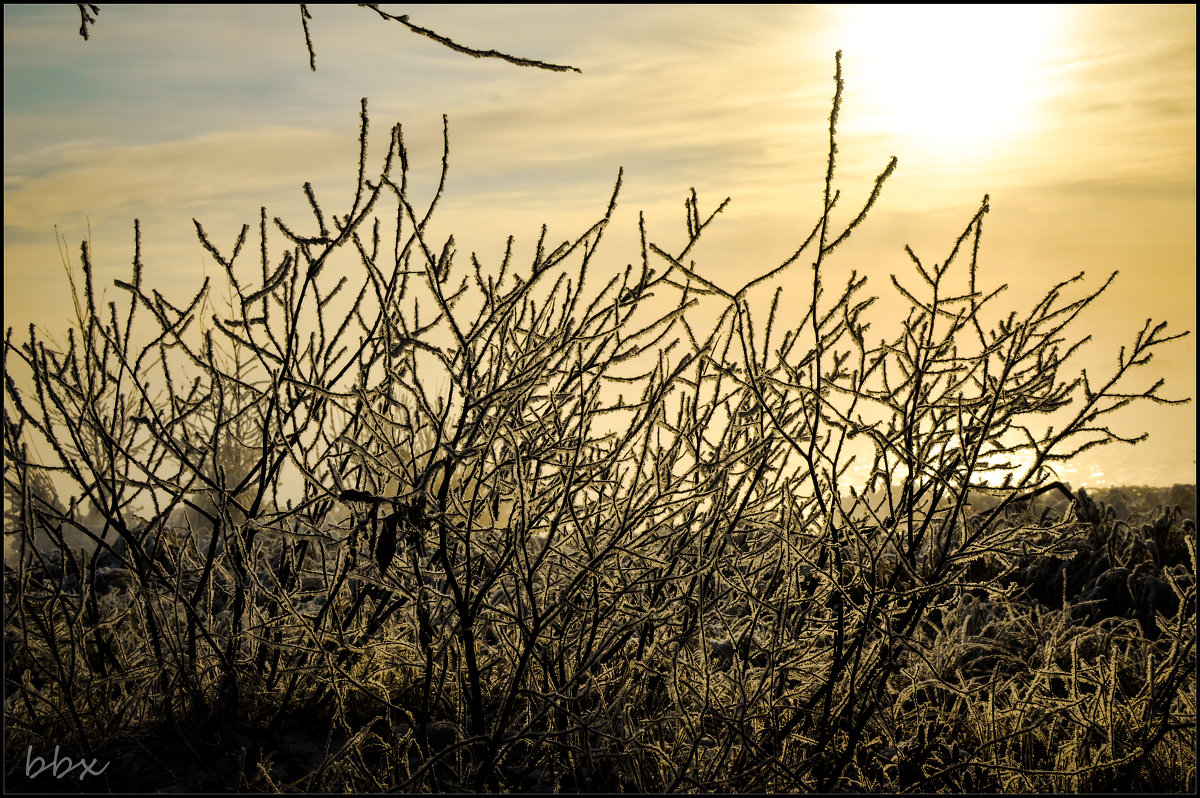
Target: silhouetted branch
[[305, 16], [458, 48], [312, 55], [87, 18]]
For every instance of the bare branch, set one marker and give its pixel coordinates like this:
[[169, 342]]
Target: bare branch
[[458, 48], [86, 17]]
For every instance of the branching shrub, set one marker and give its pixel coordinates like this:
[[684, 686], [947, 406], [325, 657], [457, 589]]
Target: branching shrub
[[496, 572]]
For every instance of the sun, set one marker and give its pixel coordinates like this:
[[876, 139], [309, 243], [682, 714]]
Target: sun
[[949, 80]]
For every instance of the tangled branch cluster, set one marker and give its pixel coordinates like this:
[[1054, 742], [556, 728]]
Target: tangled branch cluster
[[522, 580]]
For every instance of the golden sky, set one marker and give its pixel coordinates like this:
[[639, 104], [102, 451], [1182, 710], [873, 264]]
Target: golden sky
[[1079, 121]]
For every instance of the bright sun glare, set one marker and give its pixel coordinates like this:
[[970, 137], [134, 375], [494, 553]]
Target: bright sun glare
[[949, 80]]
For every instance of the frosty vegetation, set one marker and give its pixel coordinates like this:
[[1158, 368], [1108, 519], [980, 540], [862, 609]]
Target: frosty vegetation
[[548, 537]]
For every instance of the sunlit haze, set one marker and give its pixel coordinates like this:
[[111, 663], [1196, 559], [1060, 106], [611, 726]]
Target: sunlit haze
[[957, 81], [1078, 121]]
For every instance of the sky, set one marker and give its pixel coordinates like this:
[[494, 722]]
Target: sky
[[1079, 122]]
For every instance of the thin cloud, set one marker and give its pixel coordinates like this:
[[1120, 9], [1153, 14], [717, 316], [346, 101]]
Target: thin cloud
[[193, 176]]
